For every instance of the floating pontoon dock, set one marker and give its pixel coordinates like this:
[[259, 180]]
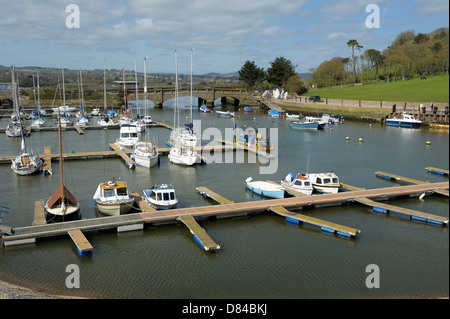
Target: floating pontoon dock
[[214, 196], [438, 171], [324, 225], [28, 234], [199, 234], [128, 161], [398, 178]]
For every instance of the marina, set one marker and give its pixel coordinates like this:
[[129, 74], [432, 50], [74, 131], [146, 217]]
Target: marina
[[223, 216]]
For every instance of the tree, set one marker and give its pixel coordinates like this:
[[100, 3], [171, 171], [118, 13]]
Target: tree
[[354, 45], [295, 84], [376, 58], [280, 71], [251, 74]]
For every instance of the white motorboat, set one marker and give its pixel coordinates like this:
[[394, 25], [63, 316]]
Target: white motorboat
[[299, 183], [64, 120], [292, 116], [148, 119], [113, 198], [265, 188], [185, 136], [405, 120], [145, 154], [128, 137], [325, 182], [140, 125], [95, 112], [161, 197], [321, 123], [225, 114]]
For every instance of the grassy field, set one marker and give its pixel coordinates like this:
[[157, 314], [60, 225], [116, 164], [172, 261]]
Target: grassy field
[[415, 90]]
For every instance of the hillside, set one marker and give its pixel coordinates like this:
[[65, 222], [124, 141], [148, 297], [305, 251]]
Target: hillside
[[414, 90]]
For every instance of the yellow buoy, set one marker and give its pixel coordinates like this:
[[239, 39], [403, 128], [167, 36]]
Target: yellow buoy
[[347, 138], [360, 139], [428, 143]]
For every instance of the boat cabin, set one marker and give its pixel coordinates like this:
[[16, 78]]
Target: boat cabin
[[110, 190]]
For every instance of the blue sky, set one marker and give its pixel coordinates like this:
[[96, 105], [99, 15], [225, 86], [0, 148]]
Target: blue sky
[[224, 34]]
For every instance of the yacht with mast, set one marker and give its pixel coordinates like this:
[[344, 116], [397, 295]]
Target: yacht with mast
[[106, 121], [62, 205], [180, 153], [26, 163]]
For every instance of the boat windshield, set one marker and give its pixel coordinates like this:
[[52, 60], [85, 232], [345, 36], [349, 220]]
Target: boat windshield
[[122, 191], [298, 183], [172, 195], [108, 193], [335, 180], [326, 180], [166, 196]]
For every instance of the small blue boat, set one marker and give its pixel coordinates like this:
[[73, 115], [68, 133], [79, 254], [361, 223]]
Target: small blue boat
[[247, 109], [204, 108], [274, 113], [265, 189], [304, 125]]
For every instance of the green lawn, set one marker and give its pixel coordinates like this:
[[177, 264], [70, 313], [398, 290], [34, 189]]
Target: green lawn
[[415, 90]]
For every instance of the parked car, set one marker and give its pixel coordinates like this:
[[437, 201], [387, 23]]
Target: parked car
[[315, 98]]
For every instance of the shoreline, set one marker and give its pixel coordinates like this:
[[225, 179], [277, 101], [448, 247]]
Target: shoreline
[[12, 291]]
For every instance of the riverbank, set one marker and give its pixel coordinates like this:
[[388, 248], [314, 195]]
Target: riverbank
[[364, 114], [10, 291]]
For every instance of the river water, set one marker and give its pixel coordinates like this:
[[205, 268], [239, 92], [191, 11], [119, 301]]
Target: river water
[[261, 256]]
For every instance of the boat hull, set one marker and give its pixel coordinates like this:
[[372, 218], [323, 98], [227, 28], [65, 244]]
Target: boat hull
[[144, 161], [115, 209], [58, 215], [406, 124], [257, 189], [304, 126]]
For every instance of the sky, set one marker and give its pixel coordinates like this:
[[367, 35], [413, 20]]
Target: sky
[[222, 33]]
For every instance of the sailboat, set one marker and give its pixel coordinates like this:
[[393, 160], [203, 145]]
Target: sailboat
[[64, 107], [83, 118], [26, 163], [106, 120], [186, 135], [180, 153], [145, 153], [14, 128], [62, 205], [139, 121], [37, 114]]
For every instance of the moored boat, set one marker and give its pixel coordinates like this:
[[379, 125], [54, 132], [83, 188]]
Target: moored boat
[[113, 198], [325, 182], [145, 154], [128, 137], [304, 125], [300, 183], [405, 120], [161, 197], [264, 188], [225, 114], [247, 109]]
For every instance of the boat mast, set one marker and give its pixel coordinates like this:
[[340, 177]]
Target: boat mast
[[82, 95], [61, 161], [39, 100], [16, 108], [137, 90], [104, 84], [64, 89], [192, 89], [145, 84]]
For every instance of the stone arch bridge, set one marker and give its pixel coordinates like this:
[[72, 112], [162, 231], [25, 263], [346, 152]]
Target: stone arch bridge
[[207, 95]]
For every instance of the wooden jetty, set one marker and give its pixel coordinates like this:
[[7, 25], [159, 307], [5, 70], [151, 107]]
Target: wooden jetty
[[214, 196], [39, 213], [47, 158], [386, 208], [128, 161], [438, 171], [398, 178], [199, 234], [83, 246], [246, 147], [324, 225], [28, 234], [78, 128]]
